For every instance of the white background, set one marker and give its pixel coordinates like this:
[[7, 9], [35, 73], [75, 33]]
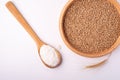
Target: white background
[[19, 58]]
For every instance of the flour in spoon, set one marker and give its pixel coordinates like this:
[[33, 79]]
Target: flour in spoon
[[49, 55]]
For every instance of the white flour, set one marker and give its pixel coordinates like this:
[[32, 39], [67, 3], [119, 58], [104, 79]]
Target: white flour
[[49, 55]]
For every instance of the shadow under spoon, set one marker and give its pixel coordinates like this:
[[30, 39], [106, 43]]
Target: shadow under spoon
[[49, 56]]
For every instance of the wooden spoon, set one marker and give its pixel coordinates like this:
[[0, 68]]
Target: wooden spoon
[[55, 59]]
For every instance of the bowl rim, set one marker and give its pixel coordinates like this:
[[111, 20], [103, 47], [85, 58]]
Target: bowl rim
[[92, 55]]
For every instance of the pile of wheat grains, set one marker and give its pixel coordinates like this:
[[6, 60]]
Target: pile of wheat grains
[[91, 26]]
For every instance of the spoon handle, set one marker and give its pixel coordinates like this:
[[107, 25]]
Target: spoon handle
[[24, 23]]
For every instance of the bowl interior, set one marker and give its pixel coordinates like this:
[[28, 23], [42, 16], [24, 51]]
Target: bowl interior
[[67, 10]]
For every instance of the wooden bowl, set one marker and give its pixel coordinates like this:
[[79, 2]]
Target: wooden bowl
[[68, 44]]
